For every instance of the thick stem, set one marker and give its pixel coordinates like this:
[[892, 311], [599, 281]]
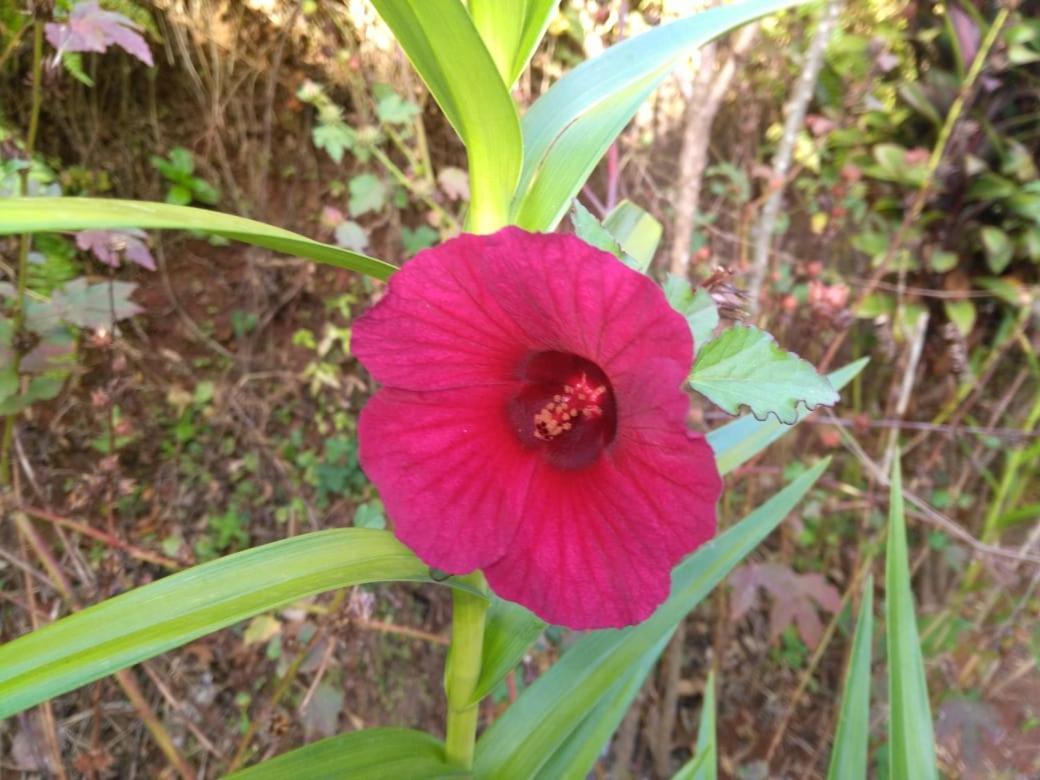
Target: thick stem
[[23, 251], [463, 670]]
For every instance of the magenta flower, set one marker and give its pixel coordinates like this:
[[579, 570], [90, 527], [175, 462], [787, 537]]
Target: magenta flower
[[532, 424]]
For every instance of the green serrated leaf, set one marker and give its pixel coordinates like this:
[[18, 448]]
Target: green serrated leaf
[[396, 110], [697, 306], [335, 138], [744, 366], [367, 193], [415, 241]]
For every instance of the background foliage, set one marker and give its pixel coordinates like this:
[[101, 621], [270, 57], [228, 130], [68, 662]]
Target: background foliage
[[185, 398]]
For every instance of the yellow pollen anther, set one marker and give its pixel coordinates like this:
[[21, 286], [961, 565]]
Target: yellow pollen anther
[[578, 399]]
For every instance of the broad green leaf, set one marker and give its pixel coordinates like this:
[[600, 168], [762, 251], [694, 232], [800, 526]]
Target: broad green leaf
[[509, 632], [511, 30], [443, 44], [30, 215], [568, 129], [911, 741], [154, 618], [696, 305], [737, 442], [704, 764], [999, 249], [540, 722], [962, 314], [636, 230], [849, 756], [744, 366], [367, 194], [372, 754]]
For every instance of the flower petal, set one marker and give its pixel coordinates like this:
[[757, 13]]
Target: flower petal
[[575, 298], [470, 310], [451, 473], [597, 547], [438, 326]]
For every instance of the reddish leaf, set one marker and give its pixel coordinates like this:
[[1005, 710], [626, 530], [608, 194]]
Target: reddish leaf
[[90, 28], [796, 598], [106, 245]]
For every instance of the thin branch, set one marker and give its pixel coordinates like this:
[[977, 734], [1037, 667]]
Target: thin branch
[[795, 119]]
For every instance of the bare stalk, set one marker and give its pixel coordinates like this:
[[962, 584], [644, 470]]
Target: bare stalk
[[23, 250], [703, 103], [795, 112]]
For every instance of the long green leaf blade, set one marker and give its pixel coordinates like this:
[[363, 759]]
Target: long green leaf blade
[[511, 30], [154, 618], [446, 50], [29, 215], [568, 129], [584, 745], [704, 763], [849, 757], [373, 754], [911, 740], [539, 723]]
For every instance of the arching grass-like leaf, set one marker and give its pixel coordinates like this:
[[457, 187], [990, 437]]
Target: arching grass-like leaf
[[372, 754], [511, 30], [30, 215], [911, 739], [168, 613], [443, 44], [849, 756], [568, 129], [539, 724], [705, 762]]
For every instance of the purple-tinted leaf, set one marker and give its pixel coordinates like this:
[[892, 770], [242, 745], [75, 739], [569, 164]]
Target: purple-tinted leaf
[[967, 32], [321, 715], [106, 246], [93, 305], [969, 726], [91, 28], [796, 598]]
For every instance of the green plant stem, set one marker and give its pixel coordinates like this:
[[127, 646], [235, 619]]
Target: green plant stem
[[26, 242], [463, 670], [409, 185]]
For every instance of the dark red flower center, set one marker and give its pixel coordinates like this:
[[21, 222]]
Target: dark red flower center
[[565, 408]]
